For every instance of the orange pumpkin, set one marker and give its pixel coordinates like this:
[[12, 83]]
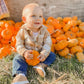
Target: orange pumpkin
[[79, 34], [81, 27], [35, 60], [10, 22], [53, 22], [4, 51], [18, 25], [50, 28], [76, 49], [66, 27], [61, 37], [2, 24], [63, 52], [80, 57], [53, 40], [72, 42], [70, 34], [69, 56], [66, 19], [57, 33], [81, 43], [53, 48], [61, 45], [62, 24], [74, 29], [13, 41], [6, 34], [50, 20], [59, 19], [72, 23], [44, 21], [78, 22], [5, 41], [74, 18], [0, 45]]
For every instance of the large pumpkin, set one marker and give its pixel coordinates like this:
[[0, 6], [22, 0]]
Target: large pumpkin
[[35, 60]]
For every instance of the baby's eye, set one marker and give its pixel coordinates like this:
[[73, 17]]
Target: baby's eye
[[33, 16], [40, 16]]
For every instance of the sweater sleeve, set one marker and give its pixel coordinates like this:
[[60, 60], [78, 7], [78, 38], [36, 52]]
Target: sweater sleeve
[[20, 42], [47, 44]]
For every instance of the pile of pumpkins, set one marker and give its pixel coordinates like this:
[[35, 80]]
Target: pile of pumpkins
[[67, 36], [8, 32]]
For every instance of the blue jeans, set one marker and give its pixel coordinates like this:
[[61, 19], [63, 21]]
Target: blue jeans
[[20, 66]]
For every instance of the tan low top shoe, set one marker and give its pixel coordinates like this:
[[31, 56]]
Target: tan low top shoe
[[20, 79], [40, 69]]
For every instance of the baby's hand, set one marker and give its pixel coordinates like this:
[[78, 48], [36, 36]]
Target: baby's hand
[[28, 54], [41, 57]]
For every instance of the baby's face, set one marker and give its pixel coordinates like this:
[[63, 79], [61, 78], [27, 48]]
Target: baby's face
[[34, 18]]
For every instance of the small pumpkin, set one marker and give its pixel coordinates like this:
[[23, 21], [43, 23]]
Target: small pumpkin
[[63, 52], [53, 40], [69, 56], [50, 28], [5, 41], [61, 37], [81, 43], [61, 45], [72, 23], [35, 60], [74, 18], [79, 22], [4, 51], [72, 42], [80, 34], [81, 27], [74, 29], [76, 49], [66, 27], [57, 33], [6, 34], [66, 19], [60, 19], [44, 21], [80, 57], [53, 48], [13, 41], [70, 34], [0, 45], [10, 22]]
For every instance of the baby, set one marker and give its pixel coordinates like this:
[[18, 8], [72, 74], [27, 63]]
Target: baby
[[33, 35]]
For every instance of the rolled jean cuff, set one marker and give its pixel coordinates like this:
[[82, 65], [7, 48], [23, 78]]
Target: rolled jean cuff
[[18, 72]]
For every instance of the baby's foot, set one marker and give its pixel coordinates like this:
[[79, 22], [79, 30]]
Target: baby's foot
[[20, 79], [40, 69]]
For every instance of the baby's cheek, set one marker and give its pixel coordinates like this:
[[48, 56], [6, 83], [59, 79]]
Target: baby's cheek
[[31, 21]]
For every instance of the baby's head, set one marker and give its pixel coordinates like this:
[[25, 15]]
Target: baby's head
[[32, 15]]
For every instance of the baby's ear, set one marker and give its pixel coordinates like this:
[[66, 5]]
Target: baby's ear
[[24, 18]]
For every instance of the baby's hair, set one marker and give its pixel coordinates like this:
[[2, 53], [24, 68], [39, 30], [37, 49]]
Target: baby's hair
[[31, 5]]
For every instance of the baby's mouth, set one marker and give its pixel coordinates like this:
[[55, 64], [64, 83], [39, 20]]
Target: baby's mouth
[[37, 23]]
